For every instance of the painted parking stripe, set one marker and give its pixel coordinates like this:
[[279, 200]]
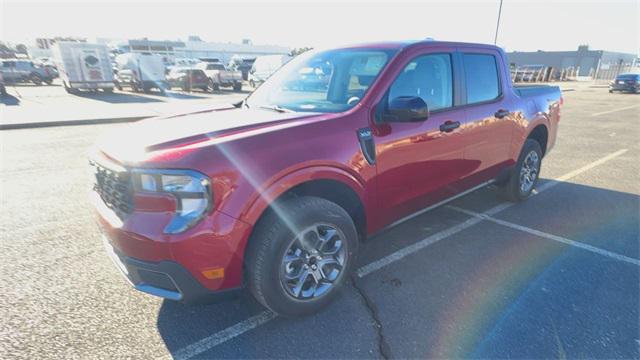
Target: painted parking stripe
[[393, 257], [242, 327], [547, 236], [615, 110], [220, 337]]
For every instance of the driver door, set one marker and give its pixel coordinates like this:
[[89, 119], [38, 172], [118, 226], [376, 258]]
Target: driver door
[[419, 161]]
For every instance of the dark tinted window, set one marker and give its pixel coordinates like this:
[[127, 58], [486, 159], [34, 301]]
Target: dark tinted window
[[481, 74], [428, 77], [215, 67], [628, 77]]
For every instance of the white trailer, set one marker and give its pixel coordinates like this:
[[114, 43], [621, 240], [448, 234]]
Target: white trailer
[[83, 66], [141, 71]]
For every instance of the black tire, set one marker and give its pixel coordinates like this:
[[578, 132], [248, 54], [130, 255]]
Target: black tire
[[213, 86], [513, 190], [273, 237], [70, 90], [237, 87], [610, 91], [134, 87], [48, 81], [252, 84], [36, 79]]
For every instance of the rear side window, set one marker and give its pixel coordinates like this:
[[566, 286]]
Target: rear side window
[[428, 77], [481, 77]]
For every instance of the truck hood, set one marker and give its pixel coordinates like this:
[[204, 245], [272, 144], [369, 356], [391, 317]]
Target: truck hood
[[133, 142]]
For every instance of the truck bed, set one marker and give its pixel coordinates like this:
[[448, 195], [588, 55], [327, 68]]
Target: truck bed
[[536, 90]]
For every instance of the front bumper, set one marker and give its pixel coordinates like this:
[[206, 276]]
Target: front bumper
[[175, 266], [166, 279], [624, 87]]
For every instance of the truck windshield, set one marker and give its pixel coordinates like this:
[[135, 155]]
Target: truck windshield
[[322, 81]]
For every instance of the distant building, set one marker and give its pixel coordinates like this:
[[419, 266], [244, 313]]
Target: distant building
[[588, 61], [165, 48], [195, 48]]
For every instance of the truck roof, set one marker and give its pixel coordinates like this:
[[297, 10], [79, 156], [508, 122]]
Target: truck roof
[[403, 44]]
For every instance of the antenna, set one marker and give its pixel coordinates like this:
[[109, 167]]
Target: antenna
[[495, 40]]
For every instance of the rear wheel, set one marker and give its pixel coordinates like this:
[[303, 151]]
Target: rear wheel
[[36, 79], [525, 174], [237, 87], [300, 255], [213, 85]]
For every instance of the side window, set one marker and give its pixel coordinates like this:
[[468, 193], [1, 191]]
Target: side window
[[428, 77], [481, 77]]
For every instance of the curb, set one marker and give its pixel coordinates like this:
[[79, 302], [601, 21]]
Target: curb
[[41, 124]]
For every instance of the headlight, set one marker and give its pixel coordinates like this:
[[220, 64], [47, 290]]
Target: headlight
[[191, 189]]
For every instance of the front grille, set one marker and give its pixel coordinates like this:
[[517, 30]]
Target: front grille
[[114, 188]]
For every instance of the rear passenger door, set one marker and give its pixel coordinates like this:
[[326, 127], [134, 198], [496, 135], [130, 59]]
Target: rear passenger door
[[489, 123]]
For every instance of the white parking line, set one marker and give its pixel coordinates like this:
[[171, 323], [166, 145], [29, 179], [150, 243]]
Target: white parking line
[[393, 257], [220, 337], [547, 236], [242, 327], [615, 110]]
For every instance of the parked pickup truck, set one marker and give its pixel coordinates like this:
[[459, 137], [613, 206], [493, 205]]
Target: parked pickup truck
[[277, 192], [219, 76]]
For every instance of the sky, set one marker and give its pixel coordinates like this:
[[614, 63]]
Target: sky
[[525, 26]]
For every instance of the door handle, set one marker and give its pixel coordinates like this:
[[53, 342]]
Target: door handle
[[449, 126], [501, 113]]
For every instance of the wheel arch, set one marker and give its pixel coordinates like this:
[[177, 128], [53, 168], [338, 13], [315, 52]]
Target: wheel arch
[[540, 133], [333, 184]]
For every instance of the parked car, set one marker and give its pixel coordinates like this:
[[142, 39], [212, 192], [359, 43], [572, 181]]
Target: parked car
[[84, 66], [264, 66], [276, 193], [626, 83], [15, 71], [141, 71], [188, 79], [219, 76]]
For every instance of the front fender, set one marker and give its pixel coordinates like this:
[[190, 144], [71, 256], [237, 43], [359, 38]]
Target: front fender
[[261, 201]]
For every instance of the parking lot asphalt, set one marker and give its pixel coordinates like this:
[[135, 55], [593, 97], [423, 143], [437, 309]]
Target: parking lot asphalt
[[555, 276], [30, 106]]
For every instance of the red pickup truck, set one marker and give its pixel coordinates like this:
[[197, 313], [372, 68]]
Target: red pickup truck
[[276, 192]]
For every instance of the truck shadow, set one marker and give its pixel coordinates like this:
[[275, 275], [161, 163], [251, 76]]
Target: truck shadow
[[117, 97], [180, 324], [598, 217], [9, 100]]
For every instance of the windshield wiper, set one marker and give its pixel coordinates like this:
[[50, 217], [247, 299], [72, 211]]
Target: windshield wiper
[[277, 108]]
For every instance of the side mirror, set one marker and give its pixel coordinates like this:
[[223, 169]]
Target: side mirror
[[406, 109]]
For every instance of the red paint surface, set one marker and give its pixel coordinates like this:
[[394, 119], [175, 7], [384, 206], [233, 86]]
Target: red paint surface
[[250, 165]]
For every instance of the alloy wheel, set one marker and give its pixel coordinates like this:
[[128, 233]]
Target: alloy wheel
[[313, 261], [529, 171]]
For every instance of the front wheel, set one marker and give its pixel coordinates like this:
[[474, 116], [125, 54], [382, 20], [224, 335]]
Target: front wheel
[[300, 254], [525, 174]]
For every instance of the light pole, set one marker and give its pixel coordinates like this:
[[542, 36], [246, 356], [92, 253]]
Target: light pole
[[495, 40]]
